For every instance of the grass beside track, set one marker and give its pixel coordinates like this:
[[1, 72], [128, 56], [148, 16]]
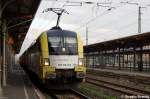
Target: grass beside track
[[94, 92]]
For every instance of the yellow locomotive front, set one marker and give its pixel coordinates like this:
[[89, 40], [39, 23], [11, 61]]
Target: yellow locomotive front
[[61, 56]]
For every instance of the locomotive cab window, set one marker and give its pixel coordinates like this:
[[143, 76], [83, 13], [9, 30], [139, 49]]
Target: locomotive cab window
[[71, 45], [62, 44]]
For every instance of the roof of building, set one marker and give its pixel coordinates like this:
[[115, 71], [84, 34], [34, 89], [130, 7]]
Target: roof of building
[[18, 15], [126, 42]]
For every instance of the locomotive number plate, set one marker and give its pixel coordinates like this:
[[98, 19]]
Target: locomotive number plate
[[64, 64]]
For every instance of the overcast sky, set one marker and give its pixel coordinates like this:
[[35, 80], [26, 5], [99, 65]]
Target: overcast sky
[[105, 19]]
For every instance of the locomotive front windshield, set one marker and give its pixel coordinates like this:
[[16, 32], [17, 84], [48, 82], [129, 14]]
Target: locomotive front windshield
[[62, 45]]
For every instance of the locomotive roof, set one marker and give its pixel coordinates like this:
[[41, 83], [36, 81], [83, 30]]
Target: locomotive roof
[[60, 32]]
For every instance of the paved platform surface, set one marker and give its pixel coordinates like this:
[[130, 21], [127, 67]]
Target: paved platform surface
[[131, 73], [18, 85]]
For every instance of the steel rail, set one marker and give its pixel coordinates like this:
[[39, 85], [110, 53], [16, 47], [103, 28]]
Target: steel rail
[[62, 94], [80, 94], [117, 87]]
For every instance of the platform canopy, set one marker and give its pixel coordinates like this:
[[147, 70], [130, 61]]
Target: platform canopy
[[125, 42], [18, 15]]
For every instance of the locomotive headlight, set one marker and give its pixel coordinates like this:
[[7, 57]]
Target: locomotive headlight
[[46, 61], [63, 49], [80, 62]]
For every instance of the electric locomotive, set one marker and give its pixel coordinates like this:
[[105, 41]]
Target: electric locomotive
[[57, 56]]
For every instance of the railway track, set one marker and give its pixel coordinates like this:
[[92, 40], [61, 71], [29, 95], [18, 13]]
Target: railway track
[[60, 94], [115, 87], [67, 94], [46, 93]]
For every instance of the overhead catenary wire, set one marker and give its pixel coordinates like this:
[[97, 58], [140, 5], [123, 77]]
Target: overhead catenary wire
[[104, 12], [103, 6], [95, 18], [98, 16], [110, 23]]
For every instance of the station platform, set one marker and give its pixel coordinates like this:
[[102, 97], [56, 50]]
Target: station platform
[[18, 85], [122, 72]]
